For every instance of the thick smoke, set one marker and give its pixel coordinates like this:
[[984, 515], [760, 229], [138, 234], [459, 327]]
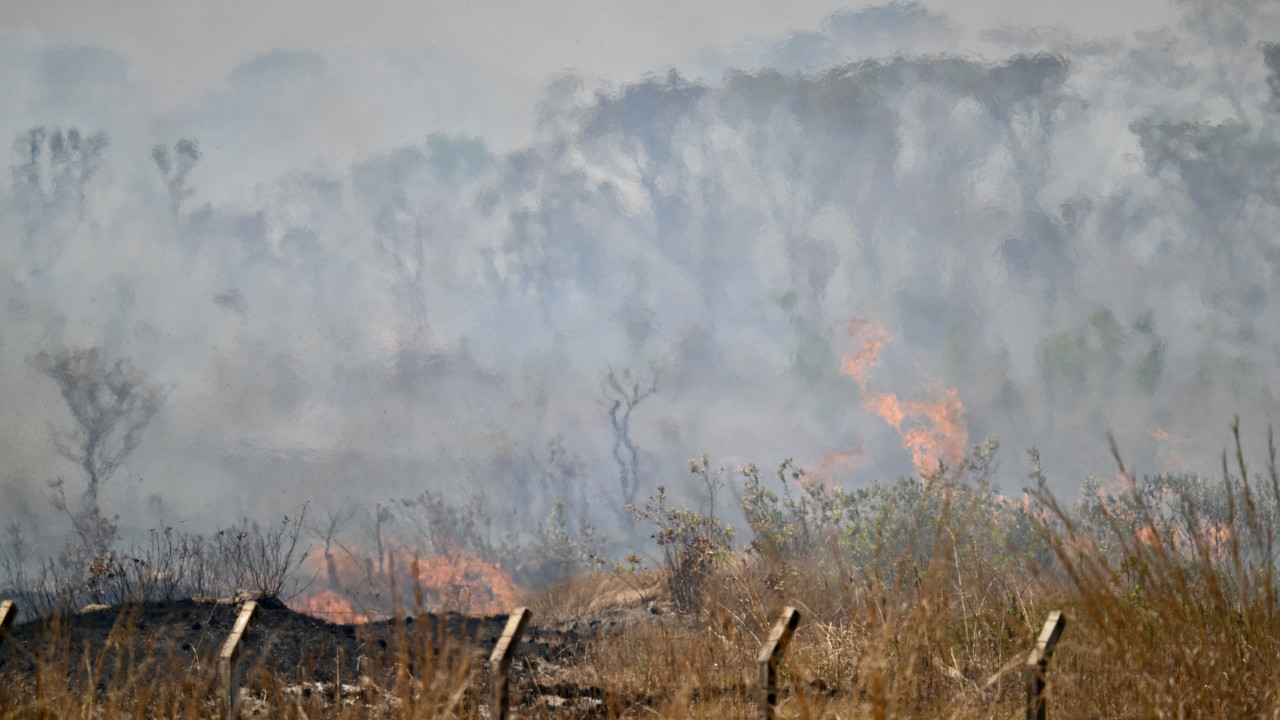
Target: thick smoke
[[1074, 237]]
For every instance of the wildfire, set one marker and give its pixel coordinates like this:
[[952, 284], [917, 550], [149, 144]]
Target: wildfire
[[831, 464], [858, 364], [933, 430], [1148, 536], [463, 582], [1217, 538], [940, 434], [1211, 537], [453, 580], [1171, 450], [329, 605]]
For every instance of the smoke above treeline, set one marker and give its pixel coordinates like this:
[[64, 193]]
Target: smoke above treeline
[[862, 247]]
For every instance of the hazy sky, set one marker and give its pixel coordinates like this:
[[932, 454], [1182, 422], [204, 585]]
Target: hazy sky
[[179, 52]]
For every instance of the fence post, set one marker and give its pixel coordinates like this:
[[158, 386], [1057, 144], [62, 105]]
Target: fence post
[[1038, 664], [769, 657], [500, 663], [229, 675], [8, 612]]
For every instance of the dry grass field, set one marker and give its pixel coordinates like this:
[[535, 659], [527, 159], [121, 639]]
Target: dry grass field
[[918, 600]]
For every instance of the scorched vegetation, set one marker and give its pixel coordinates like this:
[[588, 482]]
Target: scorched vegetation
[[919, 598]]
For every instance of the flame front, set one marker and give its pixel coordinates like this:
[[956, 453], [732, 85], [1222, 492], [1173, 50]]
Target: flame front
[[331, 606], [858, 364], [941, 435], [932, 430], [360, 588], [463, 582], [831, 463], [1170, 450]]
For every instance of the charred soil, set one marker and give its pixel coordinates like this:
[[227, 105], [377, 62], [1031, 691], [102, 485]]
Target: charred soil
[[286, 652]]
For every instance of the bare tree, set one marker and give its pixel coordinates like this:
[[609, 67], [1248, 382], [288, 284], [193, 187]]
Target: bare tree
[[111, 406], [335, 519], [624, 393]]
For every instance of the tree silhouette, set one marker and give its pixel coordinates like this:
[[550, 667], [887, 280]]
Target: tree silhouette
[[54, 167], [111, 406], [51, 174], [625, 393], [174, 168]]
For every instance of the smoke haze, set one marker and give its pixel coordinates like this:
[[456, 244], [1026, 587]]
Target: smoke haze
[[1021, 233]]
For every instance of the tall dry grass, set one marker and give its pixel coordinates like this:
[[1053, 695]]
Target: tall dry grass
[[925, 610]]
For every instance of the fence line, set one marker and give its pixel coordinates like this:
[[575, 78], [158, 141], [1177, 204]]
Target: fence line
[[769, 657], [8, 612], [1038, 664], [499, 663], [228, 660]]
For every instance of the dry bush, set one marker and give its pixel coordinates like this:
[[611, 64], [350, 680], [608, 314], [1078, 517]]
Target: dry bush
[[919, 599], [594, 593], [1175, 615], [168, 566]]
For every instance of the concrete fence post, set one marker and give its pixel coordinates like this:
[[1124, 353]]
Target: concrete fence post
[[769, 657], [1038, 664], [499, 665], [229, 671], [8, 613]]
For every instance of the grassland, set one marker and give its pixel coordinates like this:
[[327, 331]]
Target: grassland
[[919, 599]]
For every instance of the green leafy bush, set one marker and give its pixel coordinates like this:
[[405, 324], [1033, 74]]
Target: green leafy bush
[[691, 543]]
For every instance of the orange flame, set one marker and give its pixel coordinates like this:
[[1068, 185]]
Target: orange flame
[[329, 605], [1147, 535], [858, 364], [463, 582], [1170, 451], [936, 432], [831, 463], [933, 430], [1217, 538], [885, 405], [943, 436], [453, 580]]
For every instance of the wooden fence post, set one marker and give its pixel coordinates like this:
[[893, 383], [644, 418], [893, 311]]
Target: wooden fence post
[[500, 663], [769, 657], [1038, 663], [229, 675], [8, 612]]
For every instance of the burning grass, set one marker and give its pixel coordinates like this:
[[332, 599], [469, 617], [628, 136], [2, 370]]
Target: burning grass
[[919, 599]]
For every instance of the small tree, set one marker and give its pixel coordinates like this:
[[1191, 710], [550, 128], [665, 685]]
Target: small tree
[[111, 406], [174, 168], [690, 544], [624, 393]]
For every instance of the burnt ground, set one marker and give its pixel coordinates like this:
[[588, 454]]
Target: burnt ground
[[298, 651]]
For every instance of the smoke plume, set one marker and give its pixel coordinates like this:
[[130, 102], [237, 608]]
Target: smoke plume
[[1045, 238]]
